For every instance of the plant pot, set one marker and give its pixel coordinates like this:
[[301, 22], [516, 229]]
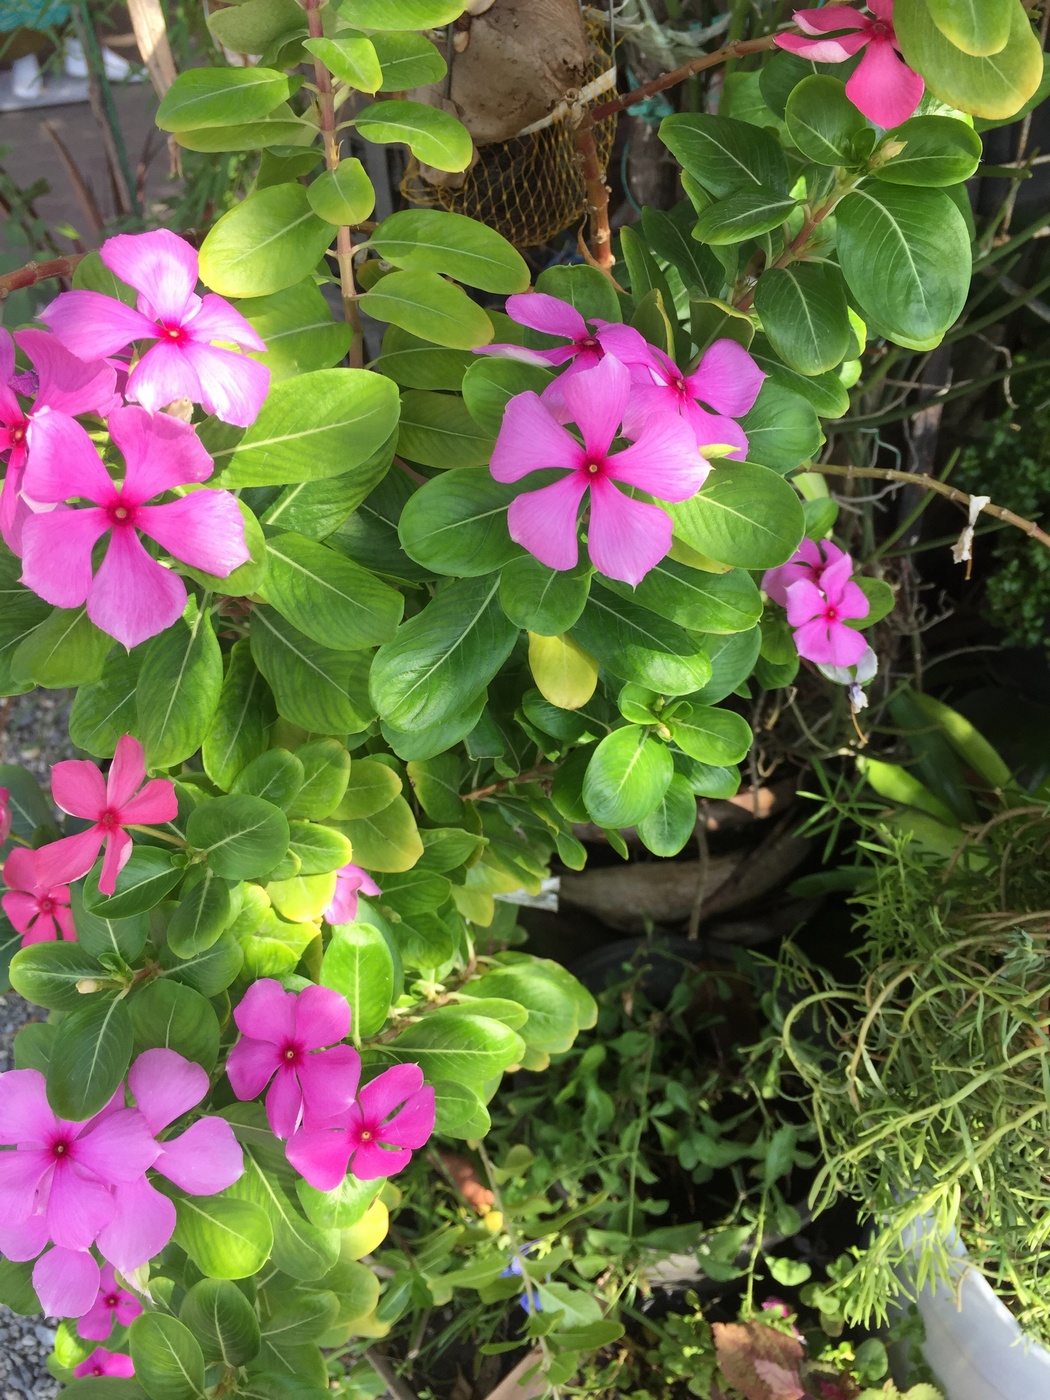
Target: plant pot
[[974, 1345]]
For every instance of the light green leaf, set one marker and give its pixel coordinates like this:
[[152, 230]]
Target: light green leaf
[[433, 135], [202, 913], [937, 151], [222, 1320], [490, 384], [979, 27], [628, 774], [418, 364], [996, 85], [220, 96], [458, 1047], [352, 59], [178, 689], [744, 514], [669, 827], [544, 601], [436, 241], [322, 690], [409, 14], [388, 840], [372, 787], [782, 428], [65, 649], [240, 837], [300, 1249], [712, 736], [438, 430], [225, 1238], [168, 1359], [408, 60], [298, 329], [357, 963], [344, 195], [428, 306], [329, 597], [269, 241], [326, 772]]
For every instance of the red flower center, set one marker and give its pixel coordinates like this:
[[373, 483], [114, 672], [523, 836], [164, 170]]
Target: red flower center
[[589, 342], [879, 29], [831, 614], [45, 905], [97, 1370], [109, 820], [173, 333], [18, 435], [112, 1300], [290, 1053], [60, 1148], [366, 1135]]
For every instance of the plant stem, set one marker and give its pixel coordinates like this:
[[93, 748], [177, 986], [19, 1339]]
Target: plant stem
[[797, 246], [540, 772], [597, 196], [34, 272], [386, 1373], [344, 248], [737, 49], [930, 483]]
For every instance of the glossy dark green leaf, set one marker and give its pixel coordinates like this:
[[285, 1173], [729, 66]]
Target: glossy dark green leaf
[[240, 837], [329, 597], [89, 1058], [457, 524], [170, 1015]]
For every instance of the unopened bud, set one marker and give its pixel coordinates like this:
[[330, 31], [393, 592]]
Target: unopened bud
[[87, 985]]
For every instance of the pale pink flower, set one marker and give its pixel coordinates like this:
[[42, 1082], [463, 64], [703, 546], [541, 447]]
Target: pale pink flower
[[882, 86], [57, 1186], [5, 814], [40, 913], [113, 1304], [727, 379], [808, 561], [131, 596], [105, 1363], [202, 1160], [819, 616], [374, 1137], [282, 1038], [625, 537], [350, 880], [65, 386], [185, 362], [587, 343], [110, 804]]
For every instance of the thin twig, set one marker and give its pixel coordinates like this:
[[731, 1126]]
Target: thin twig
[[688, 70], [386, 1373], [601, 253], [34, 272]]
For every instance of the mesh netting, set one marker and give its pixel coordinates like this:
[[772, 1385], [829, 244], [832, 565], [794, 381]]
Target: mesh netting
[[529, 188]]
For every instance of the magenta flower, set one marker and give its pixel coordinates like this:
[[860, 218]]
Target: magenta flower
[[40, 913], [819, 616], [808, 561], [374, 1137], [882, 86], [5, 814], [349, 880], [282, 1038], [110, 804], [105, 1363], [625, 537], [184, 363], [57, 1186], [113, 1304], [727, 378], [131, 596], [66, 386], [202, 1160], [585, 348]]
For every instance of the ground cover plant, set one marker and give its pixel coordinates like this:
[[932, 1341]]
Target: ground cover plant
[[362, 645]]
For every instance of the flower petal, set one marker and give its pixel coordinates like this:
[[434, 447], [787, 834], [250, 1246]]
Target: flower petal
[[166, 1085], [266, 1012], [710, 429], [25, 1114], [127, 772], [203, 1160], [250, 1065], [883, 87], [625, 538], [77, 1207], [66, 1282], [159, 265], [163, 375], [204, 529], [24, 1241], [78, 788], [216, 319], [320, 1157], [133, 597], [159, 451], [381, 1096], [56, 553], [415, 1122], [664, 461], [545, 313], [67, 384], [63, 462], [233, 387], [154, 804], [824, 50], [19, 874], [727, 378], [596, 400], [530, 440], [284, 1102], [804, 600], [93, 326], [69, 858], [142, 1225], [322, 1017], [830, 18], [329, 1080], [21, 909], [118, 1149], [371, 1161], [829, 643], [97, 1322], [629, 346], [544, 521]]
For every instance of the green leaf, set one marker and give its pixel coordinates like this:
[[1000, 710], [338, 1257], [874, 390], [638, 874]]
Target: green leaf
[[744, 514], [47, 974], [328, 597], [433, 135], [245, 711], [410, 14], [317, 425], [696, 600], [240, 837], [106, 709], [300, 1249], [358, 964], [669, 235], [637, 645], [628, 774], [326, 772], [408, 61], [89, 1058], [319, 849], [917, 285], [372, 787], [545, 601], [168, 1359], [459, 1047], [457, 524], [220, 96], [222, 1320], [321, 690], [585, 288], [431, 240], [460, 1112], [803, 310], [490, 384], [825, 392], [103, 1388], [386, 841], [439, 431], [338, 1209], [65, 649], [725, 156], [124, 937], [170, 1016], [178, 690], [209, 972], [669, 827], [712, 736], [270, 240], [442, 657], [203, 912], [743, 215], [418, 364], [938, 151], [822, 121], [782, 429], [146, 878], [732, 660], [253, 27], [353, 60], [428, 306], [225, 1238], [344, 195], [298, 329], [978, 27], [281, 128], [317, 509], [996, 85], [276, 775]]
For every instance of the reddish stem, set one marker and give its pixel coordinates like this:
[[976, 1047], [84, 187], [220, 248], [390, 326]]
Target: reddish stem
[[739, 49], [34, 272]]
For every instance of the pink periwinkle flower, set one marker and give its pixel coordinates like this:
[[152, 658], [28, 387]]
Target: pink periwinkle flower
[[40, 913], [625, 537], [819, 616], [882, 86], [65, 386], [282, 1040], [131, 596], [5, 814], [587, 343], [808, 561], [114, 1304], [202, 1160], [184, 362], [374, 1137], [854, 677], [58, 1185], [111, 804], [105, 1363], [727, 378], [350, 880]]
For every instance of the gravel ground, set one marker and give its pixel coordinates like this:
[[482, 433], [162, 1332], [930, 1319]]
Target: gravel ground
[[35, 735]]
